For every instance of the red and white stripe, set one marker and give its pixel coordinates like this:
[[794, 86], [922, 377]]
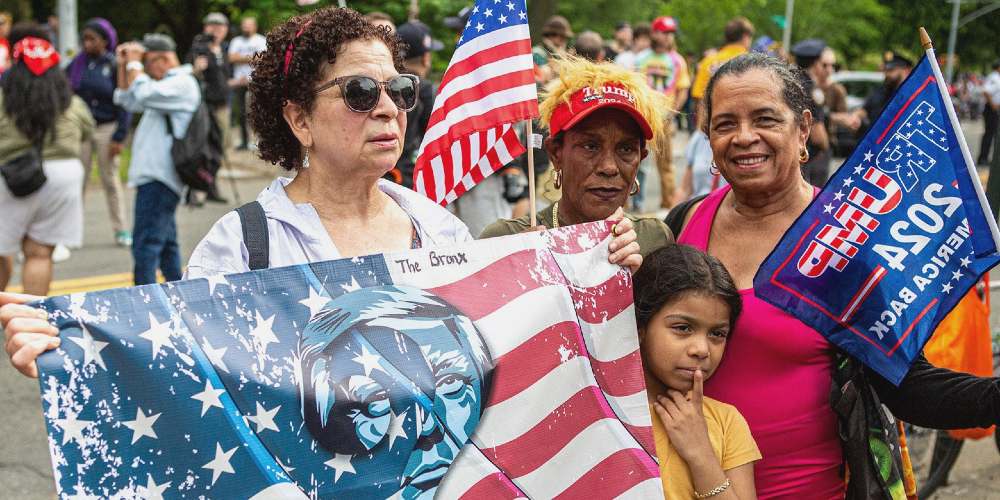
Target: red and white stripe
[[567, 413], [891, 190], [488, 86]]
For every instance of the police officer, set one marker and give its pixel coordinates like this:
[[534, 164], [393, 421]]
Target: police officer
[[817, 169]]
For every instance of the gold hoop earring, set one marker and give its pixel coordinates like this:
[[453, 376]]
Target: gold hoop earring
[[557, 178], [713, 168], [635, 187], [804, 156]]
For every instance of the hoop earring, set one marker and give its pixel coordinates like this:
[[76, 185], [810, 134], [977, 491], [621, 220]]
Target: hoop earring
[[804, 156], [635, 187], [713, 169], [305, 159], [557, 178]]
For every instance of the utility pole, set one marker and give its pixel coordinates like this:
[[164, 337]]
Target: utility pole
[[68, 42], [786, 35], [952, 36]]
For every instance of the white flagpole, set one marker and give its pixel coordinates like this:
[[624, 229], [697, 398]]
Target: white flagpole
[[530, 139], [925, 40]]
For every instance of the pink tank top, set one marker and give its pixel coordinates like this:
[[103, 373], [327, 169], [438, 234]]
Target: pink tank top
[[777, 372]]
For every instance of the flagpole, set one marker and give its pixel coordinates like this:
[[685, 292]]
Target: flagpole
[[530, 139], [925, 41]]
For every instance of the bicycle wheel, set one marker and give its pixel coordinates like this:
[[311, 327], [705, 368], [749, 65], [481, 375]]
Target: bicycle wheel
[[933, 454]]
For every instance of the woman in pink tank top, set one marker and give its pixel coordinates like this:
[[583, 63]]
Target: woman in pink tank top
[[777, 371]]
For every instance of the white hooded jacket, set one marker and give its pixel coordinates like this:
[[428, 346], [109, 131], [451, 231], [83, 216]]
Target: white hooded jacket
[[297, 236]]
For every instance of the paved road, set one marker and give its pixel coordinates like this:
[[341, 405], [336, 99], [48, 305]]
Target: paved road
[[25, 470]]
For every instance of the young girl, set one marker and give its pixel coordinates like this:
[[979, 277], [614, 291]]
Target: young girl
[[685, 306]]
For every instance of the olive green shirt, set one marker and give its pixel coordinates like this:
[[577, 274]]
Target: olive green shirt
[[75, 125], [651, 233]]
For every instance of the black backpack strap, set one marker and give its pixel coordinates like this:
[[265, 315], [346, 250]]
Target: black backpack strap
[[254, 224], [675, 218], [170, 125]]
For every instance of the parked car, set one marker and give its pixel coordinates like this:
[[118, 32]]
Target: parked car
[[858, 84]]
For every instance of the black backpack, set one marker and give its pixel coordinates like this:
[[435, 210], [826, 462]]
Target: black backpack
[[198, 155]]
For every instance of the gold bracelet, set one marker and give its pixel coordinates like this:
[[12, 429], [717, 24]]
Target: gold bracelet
[[715, 491]]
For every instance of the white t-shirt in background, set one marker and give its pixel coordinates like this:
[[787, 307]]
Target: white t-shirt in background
[[246, 47]]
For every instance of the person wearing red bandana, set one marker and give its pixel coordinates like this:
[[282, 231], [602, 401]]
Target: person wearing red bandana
[[42, 122], [603, 120]]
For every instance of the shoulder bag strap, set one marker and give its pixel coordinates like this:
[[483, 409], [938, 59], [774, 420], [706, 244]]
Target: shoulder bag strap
[[675, 218], [255, 237]]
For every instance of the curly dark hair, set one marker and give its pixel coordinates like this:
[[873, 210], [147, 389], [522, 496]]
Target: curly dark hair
[[34, 103], [675, 270], [788, 76], [328, 29]]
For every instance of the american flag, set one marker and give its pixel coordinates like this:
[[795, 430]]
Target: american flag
[[489, 85], [205, 387]]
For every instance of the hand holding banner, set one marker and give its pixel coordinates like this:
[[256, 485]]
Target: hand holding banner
[[506, 368]]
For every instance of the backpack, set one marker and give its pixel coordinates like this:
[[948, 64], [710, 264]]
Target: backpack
[[198, 155]]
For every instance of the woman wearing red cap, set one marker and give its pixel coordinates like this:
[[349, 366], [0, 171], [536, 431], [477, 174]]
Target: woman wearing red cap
[[43, 124], [602, 120]]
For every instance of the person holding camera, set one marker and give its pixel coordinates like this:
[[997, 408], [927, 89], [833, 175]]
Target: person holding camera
[[210, 63], [152, 81]]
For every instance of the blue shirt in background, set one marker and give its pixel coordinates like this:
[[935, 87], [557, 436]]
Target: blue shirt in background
[[176, 97]]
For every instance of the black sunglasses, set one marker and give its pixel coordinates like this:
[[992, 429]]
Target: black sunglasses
[[362, 93]]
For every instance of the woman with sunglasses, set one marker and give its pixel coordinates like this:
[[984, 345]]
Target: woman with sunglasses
[[329, 103]]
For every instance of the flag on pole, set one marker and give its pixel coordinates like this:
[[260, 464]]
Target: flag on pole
[[488, 87], [896, 237], [502, 369]]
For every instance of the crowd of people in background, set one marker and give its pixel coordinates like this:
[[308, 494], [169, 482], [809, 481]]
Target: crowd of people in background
[[221, 65], [310, 98]]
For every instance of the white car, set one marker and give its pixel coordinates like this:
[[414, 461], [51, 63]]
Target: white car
[[858, 84]]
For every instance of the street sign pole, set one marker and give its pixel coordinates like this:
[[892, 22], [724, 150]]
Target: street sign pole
[[68, 34], [786, 35], [952, 36]]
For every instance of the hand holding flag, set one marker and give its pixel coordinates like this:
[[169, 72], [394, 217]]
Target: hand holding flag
[[894, 239]]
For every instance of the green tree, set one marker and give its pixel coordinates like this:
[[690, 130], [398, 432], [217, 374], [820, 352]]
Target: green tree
[[977, 43]]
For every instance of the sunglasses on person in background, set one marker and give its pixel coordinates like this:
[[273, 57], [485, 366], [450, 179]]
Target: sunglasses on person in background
[[362, 93]]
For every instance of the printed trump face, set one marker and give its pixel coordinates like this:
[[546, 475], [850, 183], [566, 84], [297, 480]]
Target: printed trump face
[[394, 381]]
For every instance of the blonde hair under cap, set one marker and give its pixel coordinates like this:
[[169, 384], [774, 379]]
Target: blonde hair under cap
[[573, 73]]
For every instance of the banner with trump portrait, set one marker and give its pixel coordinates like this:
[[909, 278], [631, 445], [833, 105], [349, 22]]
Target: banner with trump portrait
[[896, 237], [505, 368]]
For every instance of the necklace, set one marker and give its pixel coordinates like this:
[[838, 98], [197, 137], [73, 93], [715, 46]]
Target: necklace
[[555, 215]]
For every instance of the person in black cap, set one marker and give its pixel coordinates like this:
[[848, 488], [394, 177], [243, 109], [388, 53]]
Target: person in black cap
[[417, 36], [151, 81], [895, 68], [807, 53]]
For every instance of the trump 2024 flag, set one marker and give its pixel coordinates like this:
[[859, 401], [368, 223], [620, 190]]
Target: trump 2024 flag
[[894, 239], [498, 369]]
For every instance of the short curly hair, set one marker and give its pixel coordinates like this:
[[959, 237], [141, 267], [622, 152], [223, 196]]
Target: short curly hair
[[323, 33]]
